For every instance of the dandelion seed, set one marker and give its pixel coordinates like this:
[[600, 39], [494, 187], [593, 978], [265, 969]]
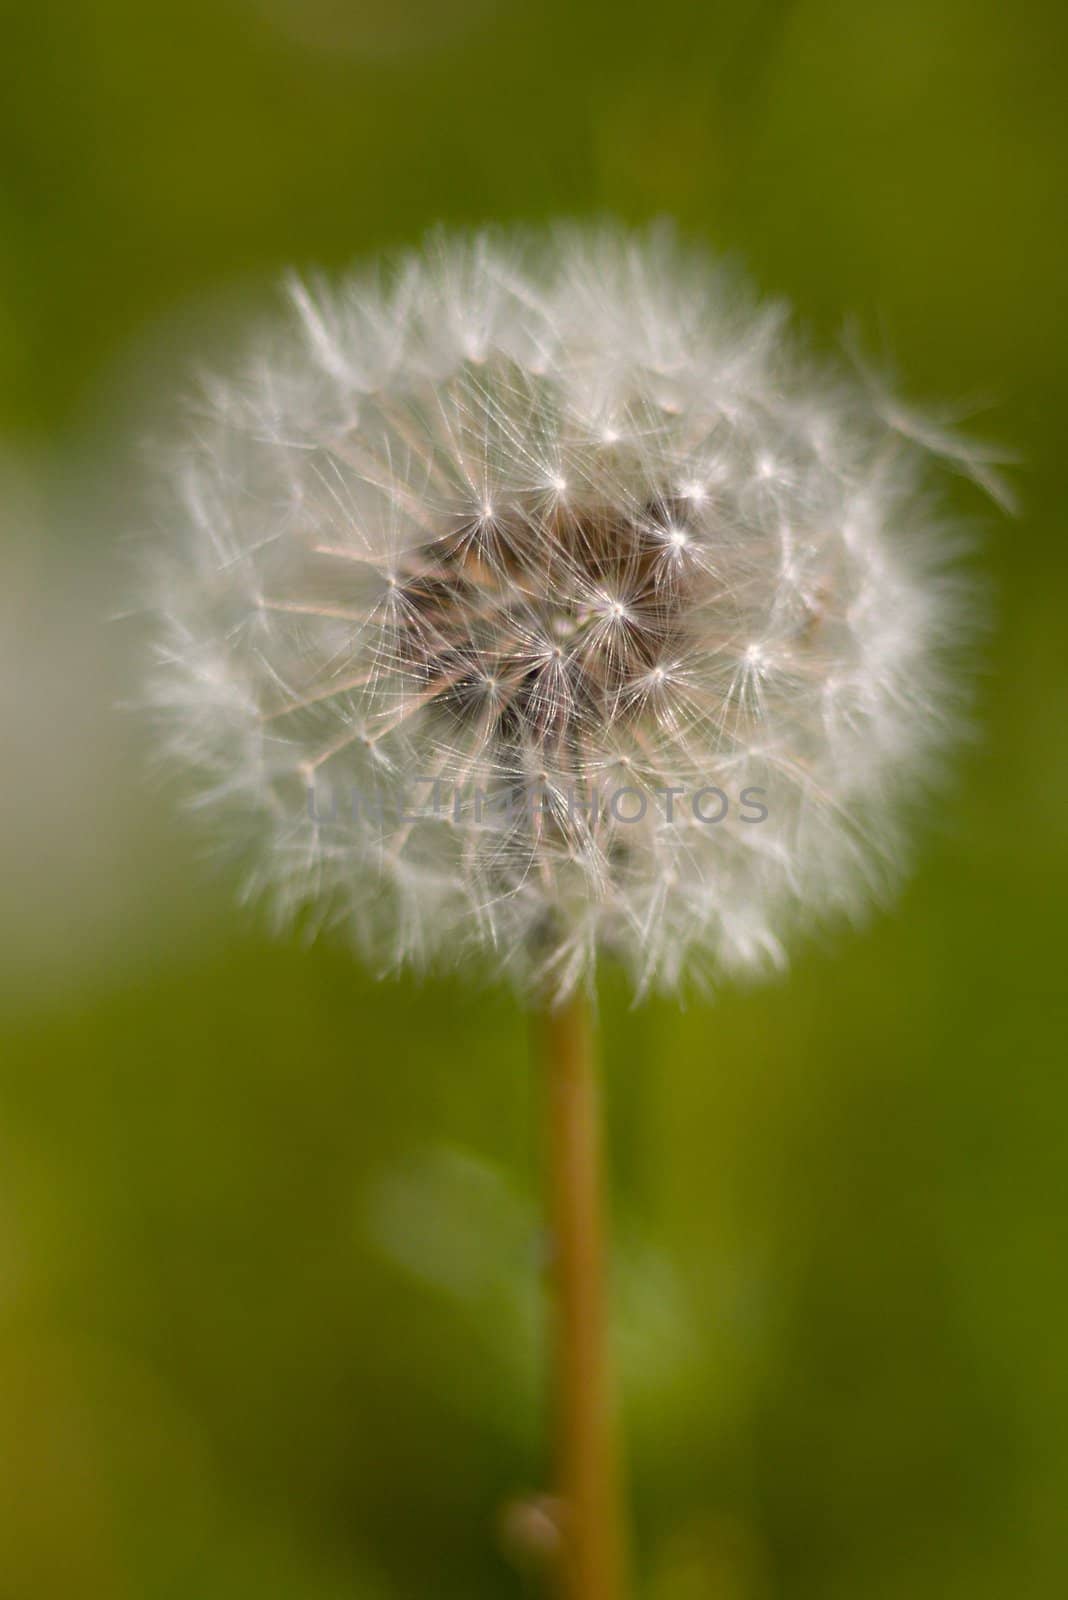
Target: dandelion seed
[[456, 529]]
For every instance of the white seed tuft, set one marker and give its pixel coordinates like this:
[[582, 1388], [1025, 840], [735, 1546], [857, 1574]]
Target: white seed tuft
[[475, 547]]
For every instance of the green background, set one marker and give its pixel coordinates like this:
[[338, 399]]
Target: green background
[[269, 1316]]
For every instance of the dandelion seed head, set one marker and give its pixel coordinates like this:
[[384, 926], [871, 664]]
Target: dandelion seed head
[[525, 513]]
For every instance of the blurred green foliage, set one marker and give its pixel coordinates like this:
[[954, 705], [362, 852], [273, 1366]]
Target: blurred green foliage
[[269, 1315]]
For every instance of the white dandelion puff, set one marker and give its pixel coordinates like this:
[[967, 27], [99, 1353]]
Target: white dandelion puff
[[539, 599]]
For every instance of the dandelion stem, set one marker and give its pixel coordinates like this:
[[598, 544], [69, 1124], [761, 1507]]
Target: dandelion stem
[[587, 1462]]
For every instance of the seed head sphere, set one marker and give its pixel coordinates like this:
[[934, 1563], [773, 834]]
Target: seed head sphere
[[538, 598]]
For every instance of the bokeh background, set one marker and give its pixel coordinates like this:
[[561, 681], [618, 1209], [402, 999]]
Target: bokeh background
[[270, 1323]]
